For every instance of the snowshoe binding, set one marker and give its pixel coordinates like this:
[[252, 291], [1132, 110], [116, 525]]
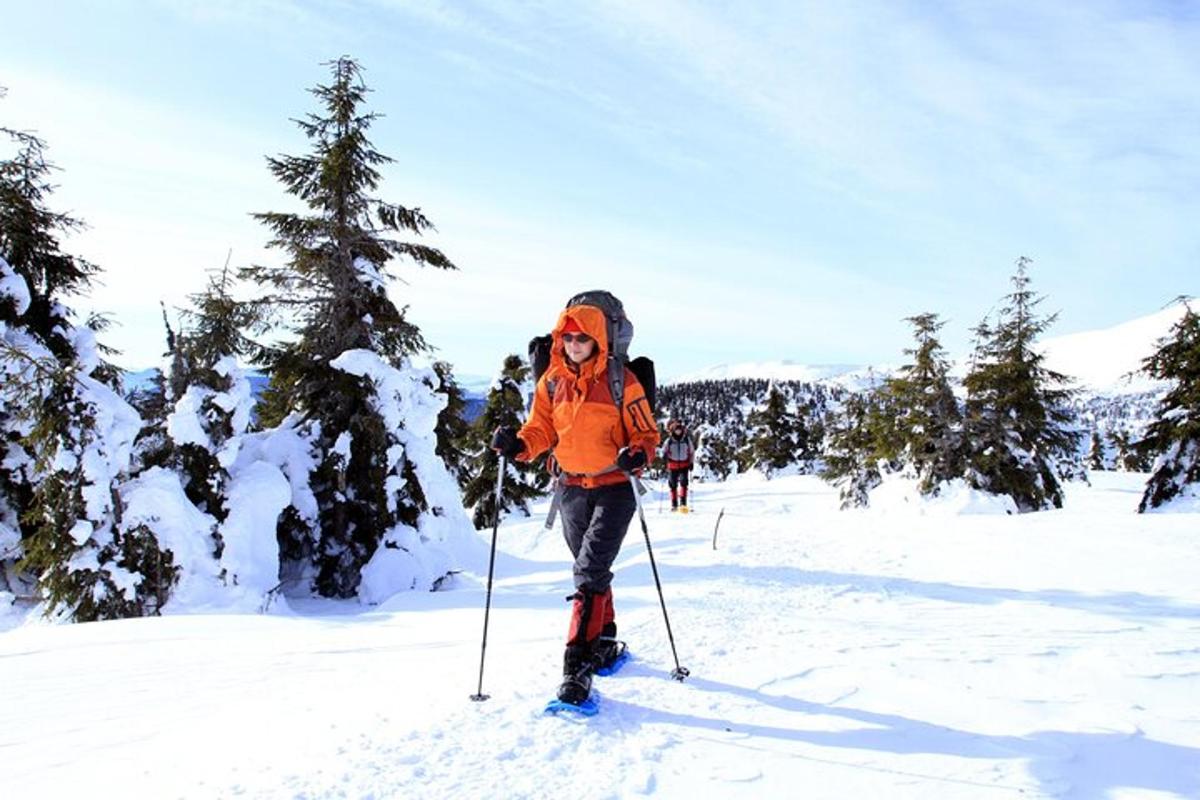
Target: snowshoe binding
[[609, 655]]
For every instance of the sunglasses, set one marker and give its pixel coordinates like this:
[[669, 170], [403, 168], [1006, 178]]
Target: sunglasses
[[572, 338]]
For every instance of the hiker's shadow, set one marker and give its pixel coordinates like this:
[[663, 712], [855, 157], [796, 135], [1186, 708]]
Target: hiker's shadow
[[1090, 764]]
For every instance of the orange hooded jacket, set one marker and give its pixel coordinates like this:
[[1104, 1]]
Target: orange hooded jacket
[[581, 422]]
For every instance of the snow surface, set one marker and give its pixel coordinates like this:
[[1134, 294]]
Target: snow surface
[[833, 655], [1110, 360]]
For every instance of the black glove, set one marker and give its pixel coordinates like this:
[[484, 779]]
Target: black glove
[[628, 460], [506, 442]]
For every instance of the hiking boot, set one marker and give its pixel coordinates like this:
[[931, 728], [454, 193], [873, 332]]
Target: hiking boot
[[606, 651], [575, 690], [577, 675]]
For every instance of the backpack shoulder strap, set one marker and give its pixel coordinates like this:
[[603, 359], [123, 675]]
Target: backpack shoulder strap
[[616, 383]]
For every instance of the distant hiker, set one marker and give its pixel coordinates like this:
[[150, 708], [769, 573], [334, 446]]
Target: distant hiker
[[678, 453], [597, 443]]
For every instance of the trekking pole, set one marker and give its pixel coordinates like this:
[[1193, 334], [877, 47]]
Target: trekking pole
[[479, 696], [717, 527], [679, 673]]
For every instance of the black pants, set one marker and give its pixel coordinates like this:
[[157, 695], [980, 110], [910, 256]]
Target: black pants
[[594, 524]]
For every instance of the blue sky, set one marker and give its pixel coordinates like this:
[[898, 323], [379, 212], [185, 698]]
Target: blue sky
[[757, 181]]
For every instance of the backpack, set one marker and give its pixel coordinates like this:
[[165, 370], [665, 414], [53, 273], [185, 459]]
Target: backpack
[[620, 334]]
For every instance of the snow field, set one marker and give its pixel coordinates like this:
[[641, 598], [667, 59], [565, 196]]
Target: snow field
[[900, 652]]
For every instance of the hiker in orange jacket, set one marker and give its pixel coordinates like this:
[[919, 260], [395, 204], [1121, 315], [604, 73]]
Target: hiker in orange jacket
[[596, 446]]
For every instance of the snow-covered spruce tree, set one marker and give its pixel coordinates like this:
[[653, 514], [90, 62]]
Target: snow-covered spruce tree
[[453, 431], [1174, 436], [183, 489], [1130, 456], [29, 242], [66, 434], [771, 444], [333, 291], [925, 418], [211, 398], [1019, 426], [808, 433], [21, 357], [82, 438], [522, 482], [36, 273], [716, 458], [206, 489], [153, 402], [1096, 457], [851, 453]]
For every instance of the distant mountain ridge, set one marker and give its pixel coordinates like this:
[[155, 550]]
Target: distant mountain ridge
[[1104, 361], [1112, 395], [849, 376], [141, 379]]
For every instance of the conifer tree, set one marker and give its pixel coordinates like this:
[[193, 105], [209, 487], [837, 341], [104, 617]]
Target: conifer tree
[[1130, 456], [771, 445], [717, 409], [924, 415], [810, 433], [716, 456], [36, 274], [66, 435], [1096, 459], [522, 482], [453, 430], [21, 357], [851, 450], [1018, 419], [333, 290], [81, 444], [211, 398], [29, 242], [1174, 436], [153, 448]]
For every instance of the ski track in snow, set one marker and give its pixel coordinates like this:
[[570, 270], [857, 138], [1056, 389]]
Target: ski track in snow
[[833, 654]]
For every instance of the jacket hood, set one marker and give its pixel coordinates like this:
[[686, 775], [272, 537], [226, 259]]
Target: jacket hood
[[592, 322]]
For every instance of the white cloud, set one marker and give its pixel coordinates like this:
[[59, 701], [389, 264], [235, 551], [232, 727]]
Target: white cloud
[[902, 154]]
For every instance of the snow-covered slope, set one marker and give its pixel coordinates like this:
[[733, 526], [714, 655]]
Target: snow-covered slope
[[1109, 361], [897, 653], [1105, 361]]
